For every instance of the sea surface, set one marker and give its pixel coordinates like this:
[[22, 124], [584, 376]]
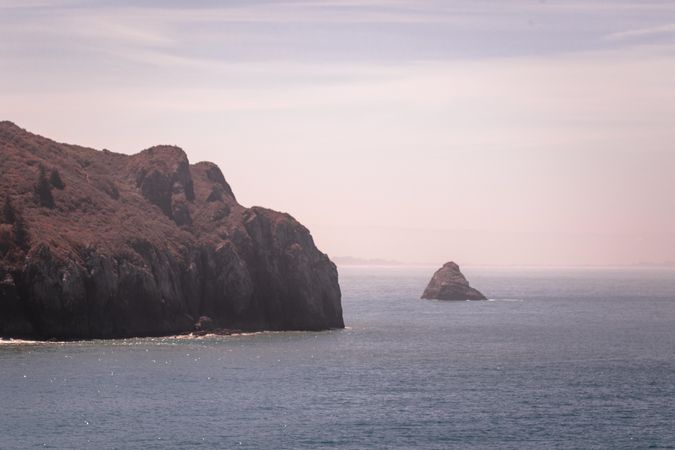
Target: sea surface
[[576, 358]]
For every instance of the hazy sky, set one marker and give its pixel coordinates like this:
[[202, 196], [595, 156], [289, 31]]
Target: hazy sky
[[488, 132]]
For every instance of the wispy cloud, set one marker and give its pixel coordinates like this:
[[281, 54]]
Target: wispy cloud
[[660, 30], [365, 29], [29, 4]]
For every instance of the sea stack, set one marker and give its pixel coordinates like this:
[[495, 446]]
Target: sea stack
[[448, 283], [96, 244]]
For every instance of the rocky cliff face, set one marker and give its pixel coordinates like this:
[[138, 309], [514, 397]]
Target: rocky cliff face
[[448, 283], [146, 245]]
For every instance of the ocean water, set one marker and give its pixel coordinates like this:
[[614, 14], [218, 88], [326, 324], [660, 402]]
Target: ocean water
[[557, 359]]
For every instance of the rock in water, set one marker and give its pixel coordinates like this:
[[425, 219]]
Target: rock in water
[[146, 245], [448, 283]]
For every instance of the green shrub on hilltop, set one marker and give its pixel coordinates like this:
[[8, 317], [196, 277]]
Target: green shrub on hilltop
[[14, 228], [8, 212], [55, 179], [43, 190]]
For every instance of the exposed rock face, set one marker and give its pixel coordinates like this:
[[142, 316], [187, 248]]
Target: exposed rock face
[[147, 245], [448, 283]]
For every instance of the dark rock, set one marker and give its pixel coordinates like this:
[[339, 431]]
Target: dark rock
[[205, 324], [150, 255], [216, 194], [163, 175], [448, 283], [11, 308]]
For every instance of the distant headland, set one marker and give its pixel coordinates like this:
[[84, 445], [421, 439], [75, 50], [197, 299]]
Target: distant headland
[[95, 244], [355, 261]]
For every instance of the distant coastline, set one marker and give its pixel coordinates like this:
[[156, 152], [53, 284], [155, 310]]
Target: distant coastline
[[374, 262], [662, 264], [355, 261]]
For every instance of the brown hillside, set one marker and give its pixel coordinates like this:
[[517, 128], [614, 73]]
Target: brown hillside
[[146, 245]]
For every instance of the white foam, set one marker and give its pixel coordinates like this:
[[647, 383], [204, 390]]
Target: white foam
[[11, 341]]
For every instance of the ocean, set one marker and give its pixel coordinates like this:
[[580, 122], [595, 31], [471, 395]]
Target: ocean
[[558, 358]]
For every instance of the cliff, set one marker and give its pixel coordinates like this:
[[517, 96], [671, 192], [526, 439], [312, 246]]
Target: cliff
[[95, 244], [448, 283]]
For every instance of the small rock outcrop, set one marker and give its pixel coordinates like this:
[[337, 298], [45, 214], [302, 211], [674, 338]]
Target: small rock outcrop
[[146, 245], [448, 283]]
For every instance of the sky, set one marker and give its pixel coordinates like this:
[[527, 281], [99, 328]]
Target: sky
[[486, 132]]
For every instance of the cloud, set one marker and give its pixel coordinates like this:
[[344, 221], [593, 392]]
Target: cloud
[[325, 30], [32, 4], [661, 30]]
